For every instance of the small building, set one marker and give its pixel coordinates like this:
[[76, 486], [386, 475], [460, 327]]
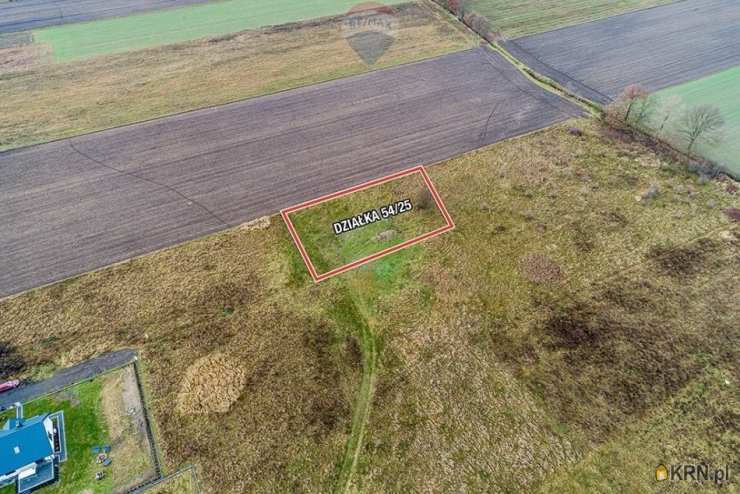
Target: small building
[[31, 450]]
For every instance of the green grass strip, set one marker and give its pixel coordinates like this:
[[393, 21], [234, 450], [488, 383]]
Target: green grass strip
[[525, 17], [135, 32]]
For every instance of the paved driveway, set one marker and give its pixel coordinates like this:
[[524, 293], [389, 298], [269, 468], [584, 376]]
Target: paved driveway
[[67, 377]]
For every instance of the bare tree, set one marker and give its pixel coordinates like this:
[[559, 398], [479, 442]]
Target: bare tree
[[457, 7], [666, 108], [480, 25], [632, 94], [643, 109], [623, 106], [703, 122]]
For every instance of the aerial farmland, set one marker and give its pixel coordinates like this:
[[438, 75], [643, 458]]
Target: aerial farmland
[[517, 19], [652, 48], [347, 247]]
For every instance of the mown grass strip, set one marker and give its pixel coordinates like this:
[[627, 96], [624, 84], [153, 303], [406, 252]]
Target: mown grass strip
[[117, 35], [515, 19]]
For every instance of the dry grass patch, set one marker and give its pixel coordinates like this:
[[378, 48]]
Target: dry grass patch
[[21, 58], [183, 483], [539, 268], [124, 413], [492, 379], [211, 385], [697, 426], [449, 417], [225, 310]]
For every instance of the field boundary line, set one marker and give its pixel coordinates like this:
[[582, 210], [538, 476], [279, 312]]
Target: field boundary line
[[148, 428], [601, 19], [488, 50], [154, 483], [598, 109], [506, 45], [334, 80]]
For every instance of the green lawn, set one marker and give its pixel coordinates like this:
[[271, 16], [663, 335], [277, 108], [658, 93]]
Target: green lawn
[[720, 90], [121, 34], [328, 250], [515, 19]]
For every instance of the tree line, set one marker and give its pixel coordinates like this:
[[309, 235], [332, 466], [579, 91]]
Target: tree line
[[669, 117]]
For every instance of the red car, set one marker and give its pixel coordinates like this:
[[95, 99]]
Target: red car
[[8, 385]]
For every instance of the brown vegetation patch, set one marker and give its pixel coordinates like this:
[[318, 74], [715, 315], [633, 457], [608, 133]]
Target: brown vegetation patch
[[211, 385], [629, 365], [615, 218], [288, 372], [11, 361], [638, 296], [423, 199], [683, 260], [582, 239], [21, 58], [258, 224], [538, 268], [223, 297], [733, 214]]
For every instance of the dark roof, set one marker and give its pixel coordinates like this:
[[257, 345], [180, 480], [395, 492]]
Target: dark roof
[[22, 445]]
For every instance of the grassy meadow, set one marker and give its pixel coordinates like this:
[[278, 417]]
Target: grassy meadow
[[328, 250], [569, 335]]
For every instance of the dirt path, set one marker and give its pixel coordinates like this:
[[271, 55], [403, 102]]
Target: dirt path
[[123, 409], [361, 416]]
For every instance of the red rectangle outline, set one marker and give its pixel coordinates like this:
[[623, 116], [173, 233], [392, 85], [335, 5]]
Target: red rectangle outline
[[449, 224]]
